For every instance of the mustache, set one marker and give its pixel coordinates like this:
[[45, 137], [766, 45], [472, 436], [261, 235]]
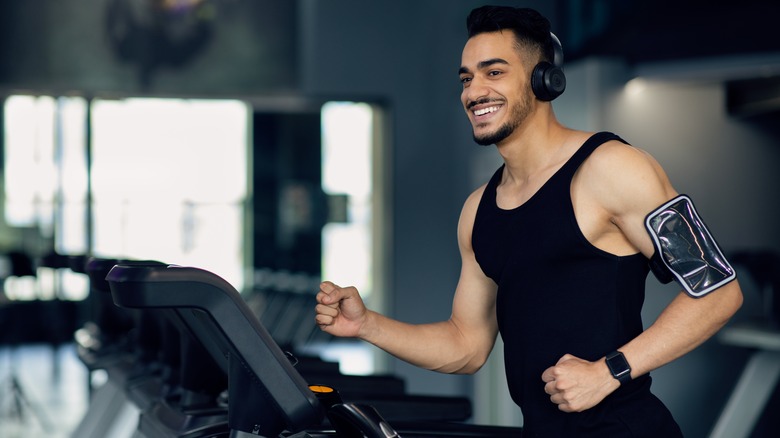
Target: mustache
[[482, 101]]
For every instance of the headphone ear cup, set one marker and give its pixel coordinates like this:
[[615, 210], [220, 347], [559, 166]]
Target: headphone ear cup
[[547, 81], [538, 80], [554, 82]]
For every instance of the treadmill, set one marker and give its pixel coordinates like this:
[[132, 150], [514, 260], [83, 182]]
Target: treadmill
[[266, 395]]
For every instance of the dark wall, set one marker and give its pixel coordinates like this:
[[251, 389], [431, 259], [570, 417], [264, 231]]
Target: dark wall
[[286, 184], [129, 46]]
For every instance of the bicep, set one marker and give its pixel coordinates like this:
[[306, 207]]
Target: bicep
[[474, 313], [474, 303], [638, 187]]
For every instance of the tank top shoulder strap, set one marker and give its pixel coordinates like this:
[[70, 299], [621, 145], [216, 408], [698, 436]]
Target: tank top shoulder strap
[[489, 194], [566, 172], [586, 149]]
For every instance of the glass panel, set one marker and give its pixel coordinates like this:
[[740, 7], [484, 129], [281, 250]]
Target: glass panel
[[169, 182], [71, 226], [46, 186], [347, 255], [30, 173], [347, 140]]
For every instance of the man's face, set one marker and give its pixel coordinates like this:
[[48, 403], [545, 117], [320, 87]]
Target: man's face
[[496, 92]]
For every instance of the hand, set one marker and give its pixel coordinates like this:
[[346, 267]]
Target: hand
[[575, 384], [340, 311]]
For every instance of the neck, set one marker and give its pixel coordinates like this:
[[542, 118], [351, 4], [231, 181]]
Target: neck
[[534, 146]]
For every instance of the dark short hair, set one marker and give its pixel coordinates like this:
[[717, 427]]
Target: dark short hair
[[531, 29]]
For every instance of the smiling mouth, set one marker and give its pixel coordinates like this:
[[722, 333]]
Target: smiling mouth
[[488, 110]]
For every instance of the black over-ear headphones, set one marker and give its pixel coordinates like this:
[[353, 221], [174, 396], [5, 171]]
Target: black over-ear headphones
[[548, 80]]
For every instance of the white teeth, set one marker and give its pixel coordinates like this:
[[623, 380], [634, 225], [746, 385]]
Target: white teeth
[[482, 111]]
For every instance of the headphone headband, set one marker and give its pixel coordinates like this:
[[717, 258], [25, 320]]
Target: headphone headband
[[557, 51]]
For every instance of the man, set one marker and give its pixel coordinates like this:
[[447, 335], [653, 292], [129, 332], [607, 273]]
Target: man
[[555, 250]]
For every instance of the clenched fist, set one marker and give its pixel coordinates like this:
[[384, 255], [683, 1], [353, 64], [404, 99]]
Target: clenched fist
[[340, 311]]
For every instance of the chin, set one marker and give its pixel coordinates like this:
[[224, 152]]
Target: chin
[[485, 140], [491, 138]]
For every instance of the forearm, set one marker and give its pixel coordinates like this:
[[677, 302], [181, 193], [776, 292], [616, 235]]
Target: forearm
[[684, 325], [439, 346]]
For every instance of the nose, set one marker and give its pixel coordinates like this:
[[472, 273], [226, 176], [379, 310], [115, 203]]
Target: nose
[[475, 91]]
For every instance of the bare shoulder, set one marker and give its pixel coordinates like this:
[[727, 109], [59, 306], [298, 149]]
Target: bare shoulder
[[471, 205], [614, 155], [622, 176], [468, 214], [473, 199]]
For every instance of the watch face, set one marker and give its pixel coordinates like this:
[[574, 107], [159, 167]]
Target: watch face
[[618, 365]]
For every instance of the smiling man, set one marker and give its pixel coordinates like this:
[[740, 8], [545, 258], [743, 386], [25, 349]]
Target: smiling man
[[483, 111], [555, 251]]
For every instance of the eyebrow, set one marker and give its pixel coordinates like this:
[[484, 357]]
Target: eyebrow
[[483, 64]]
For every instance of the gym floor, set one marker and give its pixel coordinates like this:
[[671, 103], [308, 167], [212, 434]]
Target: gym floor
[[52, 395]]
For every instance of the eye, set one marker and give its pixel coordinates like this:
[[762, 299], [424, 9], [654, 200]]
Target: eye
[[465, 80], [494, 72]]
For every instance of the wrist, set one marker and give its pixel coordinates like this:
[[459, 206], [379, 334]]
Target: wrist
[[368, 328]]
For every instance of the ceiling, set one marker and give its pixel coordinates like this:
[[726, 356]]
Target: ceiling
[[663, 30], [734, 43]]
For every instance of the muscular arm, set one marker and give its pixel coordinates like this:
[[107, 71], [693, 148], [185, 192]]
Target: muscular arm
[[460, 344], [635, 185], [686, 322]]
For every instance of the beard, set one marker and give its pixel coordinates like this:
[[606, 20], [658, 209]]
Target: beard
[[496, 136], [518, 114]]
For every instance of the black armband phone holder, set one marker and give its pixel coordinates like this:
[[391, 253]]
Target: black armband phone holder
[[685, 250]]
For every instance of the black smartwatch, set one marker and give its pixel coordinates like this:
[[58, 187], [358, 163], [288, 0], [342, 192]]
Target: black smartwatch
[[619, 367]]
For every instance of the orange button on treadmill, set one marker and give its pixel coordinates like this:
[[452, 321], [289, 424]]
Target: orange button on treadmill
[[321, 389]]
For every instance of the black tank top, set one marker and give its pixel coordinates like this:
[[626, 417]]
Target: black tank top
[[559, 294]]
